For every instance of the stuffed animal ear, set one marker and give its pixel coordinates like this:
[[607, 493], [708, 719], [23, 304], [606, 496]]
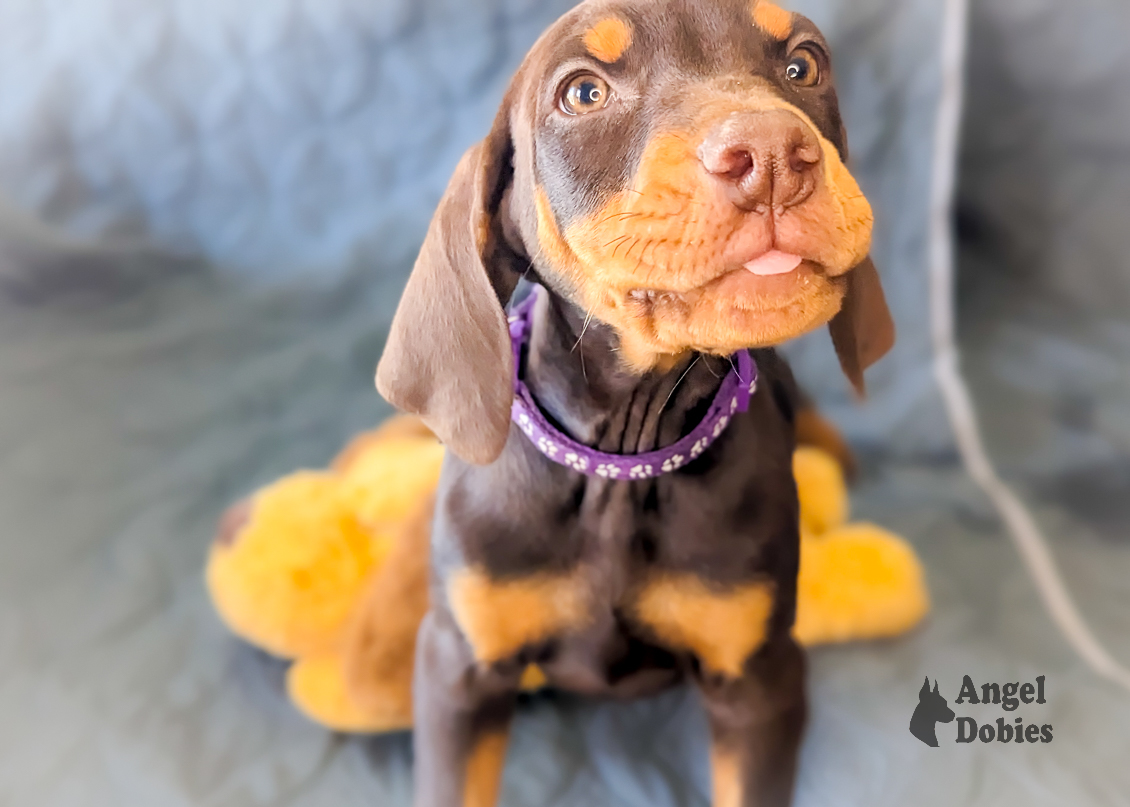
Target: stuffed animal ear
[[863, 331], [448, 356]]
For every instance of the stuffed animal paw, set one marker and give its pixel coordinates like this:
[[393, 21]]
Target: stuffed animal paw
[[289, 565], [292, 567], [857, 581]]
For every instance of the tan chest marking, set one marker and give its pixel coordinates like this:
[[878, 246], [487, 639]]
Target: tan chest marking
[[609, 39], [726, 776], [722, 627], [500, 617], [483, 774], [772, 19]]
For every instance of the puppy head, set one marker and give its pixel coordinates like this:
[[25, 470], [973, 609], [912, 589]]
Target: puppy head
[[674, 167]]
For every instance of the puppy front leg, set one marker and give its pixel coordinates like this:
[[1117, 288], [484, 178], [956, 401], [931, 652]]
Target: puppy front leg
[[463, 711], [756, 723]]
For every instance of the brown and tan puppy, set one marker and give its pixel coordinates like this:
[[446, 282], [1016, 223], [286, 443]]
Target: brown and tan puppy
[[673, 172]]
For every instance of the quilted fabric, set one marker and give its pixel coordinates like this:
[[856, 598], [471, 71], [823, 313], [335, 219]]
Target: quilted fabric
[[273, 138], [287, 140], [1045, 180]]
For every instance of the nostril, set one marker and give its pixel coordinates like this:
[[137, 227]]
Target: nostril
[[804, 158], [802, 153], [739, 162], [730, 163]]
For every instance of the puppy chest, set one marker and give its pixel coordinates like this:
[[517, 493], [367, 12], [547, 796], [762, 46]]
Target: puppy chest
[[689, 582], [720, 625]]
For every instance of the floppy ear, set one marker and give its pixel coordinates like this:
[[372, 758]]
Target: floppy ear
[[863, 331], [448, 356]]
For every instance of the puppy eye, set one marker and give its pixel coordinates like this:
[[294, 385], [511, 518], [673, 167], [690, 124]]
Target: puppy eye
[[803, 68], [585, 93]]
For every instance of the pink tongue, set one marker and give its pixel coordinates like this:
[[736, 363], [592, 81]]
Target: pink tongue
[[774, 263]]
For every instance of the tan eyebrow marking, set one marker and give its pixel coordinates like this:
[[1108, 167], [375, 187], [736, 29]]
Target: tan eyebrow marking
[[772, 19], [609, 39]]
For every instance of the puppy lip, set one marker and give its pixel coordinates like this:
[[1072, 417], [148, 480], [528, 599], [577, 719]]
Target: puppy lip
[[773, 290], [740, 282]]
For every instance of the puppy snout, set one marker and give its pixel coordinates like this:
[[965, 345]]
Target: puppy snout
[[765, 160]]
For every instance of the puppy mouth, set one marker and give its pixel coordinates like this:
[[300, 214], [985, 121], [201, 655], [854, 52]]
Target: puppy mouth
[[773, 281], [739, 308]]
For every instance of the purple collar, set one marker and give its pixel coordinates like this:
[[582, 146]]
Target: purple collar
[[733, 396]]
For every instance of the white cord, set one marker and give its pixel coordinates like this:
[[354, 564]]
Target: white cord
[[1030, 543]]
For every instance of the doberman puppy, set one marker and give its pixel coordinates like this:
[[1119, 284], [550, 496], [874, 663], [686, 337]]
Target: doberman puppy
[[672, 173]]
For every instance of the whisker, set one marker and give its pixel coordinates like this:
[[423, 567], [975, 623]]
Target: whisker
[[635, 244], [621, 216], [736, 371], [680, 381], [628, 239], [585, 327]]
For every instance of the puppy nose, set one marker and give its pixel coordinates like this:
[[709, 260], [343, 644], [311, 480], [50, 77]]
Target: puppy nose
[[764, 159]]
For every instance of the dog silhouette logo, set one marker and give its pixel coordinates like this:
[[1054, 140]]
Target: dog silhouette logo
[[932, 709]]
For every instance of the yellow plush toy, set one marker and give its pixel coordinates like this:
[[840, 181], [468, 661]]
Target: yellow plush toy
[[330, 569], [857, 581]]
